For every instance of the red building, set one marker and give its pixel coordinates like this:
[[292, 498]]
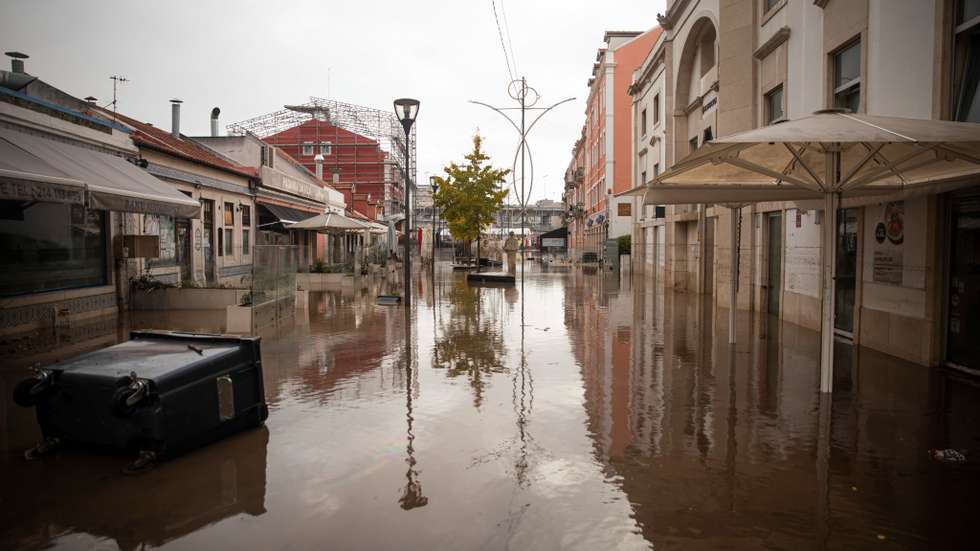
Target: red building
[[354, 164]]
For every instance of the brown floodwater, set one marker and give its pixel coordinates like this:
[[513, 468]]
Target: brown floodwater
[[583, 412]]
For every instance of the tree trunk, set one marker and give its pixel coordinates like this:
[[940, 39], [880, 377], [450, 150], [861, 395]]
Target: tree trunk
[[479, 265]]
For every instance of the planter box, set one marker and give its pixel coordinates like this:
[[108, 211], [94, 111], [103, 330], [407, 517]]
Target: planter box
[[186, 299]]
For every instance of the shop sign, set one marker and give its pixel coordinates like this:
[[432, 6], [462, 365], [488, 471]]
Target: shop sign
[[889, 235], [41, 191]]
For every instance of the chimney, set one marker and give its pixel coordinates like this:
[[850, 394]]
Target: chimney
[[17, 61], [319, 166], [175, 117], [214, 121]]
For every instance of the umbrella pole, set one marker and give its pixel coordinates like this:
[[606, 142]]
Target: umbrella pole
[[733, 292], [831, 201]]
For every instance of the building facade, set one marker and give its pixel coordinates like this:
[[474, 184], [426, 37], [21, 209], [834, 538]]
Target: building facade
[[733, 66], [607, 144], [287, 193], [217, 247], [353, 164], [73, 196]]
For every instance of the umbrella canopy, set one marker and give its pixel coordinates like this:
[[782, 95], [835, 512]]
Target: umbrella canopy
[[329, 222], [830, 155], [830, 151]]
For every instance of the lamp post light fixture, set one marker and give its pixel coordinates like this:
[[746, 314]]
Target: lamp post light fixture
[[406, 109]]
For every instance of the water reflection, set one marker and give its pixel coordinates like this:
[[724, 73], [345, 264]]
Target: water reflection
[[469, 342], [627, 423]]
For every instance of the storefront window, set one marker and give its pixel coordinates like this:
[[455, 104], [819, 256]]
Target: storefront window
[[50, 246], [164, 227], [966, 78]]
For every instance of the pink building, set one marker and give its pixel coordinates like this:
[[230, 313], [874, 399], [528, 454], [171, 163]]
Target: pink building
[[606, 141]]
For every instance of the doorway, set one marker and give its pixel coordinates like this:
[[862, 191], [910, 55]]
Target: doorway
[[207, 214], [845, 279], [183, 230], [709, 256], [963, 291], [775, 264]]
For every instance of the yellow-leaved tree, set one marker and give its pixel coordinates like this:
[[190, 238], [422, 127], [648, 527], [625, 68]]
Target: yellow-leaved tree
[[470, 194]]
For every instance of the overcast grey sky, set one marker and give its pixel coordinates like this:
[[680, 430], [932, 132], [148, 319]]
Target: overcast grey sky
[[250, 58]]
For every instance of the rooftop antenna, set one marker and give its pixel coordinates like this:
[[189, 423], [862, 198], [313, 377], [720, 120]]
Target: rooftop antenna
[[116, 80]]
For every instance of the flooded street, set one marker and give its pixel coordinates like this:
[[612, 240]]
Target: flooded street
[[585, 413]]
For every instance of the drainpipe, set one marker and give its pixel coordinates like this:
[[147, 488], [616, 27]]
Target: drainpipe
[[175, 117], [214, 122]]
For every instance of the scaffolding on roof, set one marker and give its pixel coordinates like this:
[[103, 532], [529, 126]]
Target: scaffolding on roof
[[375, 124]]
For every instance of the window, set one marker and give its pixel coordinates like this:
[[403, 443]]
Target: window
[[308, 149], [643, 178], [768, 5], [49, 246], [774, 105], [269, 156], [229, 241], [707, 135], [966, 61], [325, 148], [847, 77], [624, 209], [656, 109], [229, 214], [165, 228], [694, 144], [643, 122], [656, 170], [246, 229]]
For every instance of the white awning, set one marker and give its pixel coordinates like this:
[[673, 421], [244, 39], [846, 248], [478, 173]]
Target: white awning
[[112, 182], [25, 177]]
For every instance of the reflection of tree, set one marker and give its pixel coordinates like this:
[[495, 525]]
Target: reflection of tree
[[469, 343]]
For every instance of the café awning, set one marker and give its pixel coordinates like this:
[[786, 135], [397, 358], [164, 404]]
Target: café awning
[[285, 215], [25, 177], [111, 182], [830, 155]]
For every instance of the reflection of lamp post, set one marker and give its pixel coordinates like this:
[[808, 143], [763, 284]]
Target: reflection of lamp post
[[412, 495], [406, 110]]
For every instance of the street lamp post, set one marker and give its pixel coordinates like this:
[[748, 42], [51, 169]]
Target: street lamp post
[[435, 189], [406, 109]]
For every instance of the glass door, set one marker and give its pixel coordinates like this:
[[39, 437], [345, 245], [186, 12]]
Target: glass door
[[963, 303], [845, 283], [775, 265]]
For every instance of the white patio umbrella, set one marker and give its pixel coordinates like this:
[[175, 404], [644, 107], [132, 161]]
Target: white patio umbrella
[[328, 222], [829, 155]]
